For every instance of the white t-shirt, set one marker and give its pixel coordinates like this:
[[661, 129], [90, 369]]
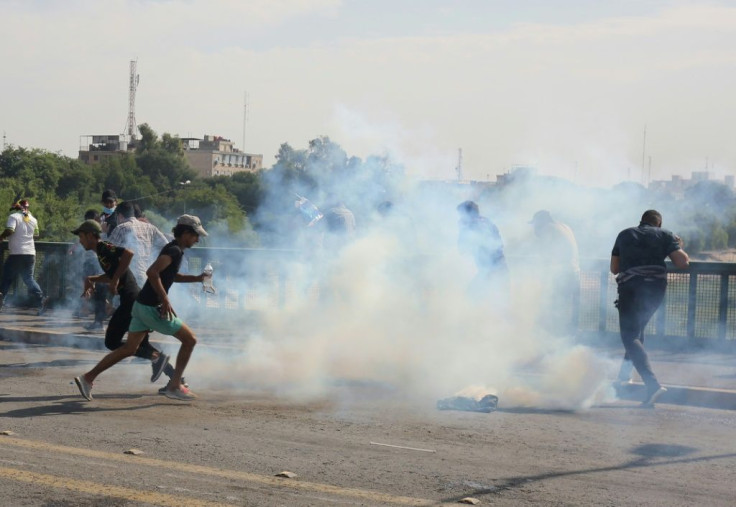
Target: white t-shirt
[[25, 227]]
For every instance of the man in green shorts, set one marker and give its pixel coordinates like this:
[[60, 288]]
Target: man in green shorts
[[152, 310]]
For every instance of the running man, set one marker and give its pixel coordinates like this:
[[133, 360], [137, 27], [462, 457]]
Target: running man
[[115, 264], [152, 310]]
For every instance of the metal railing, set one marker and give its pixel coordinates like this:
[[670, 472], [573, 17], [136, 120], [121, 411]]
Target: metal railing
[[700, 303]]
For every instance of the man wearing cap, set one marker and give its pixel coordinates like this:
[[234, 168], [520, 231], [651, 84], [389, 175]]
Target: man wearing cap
[[152, 310], [561, 270], [21, 229], [637, 260], [115, 263]]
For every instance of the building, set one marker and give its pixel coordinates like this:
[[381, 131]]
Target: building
[[216, 156], [93, 149], [677, 186]]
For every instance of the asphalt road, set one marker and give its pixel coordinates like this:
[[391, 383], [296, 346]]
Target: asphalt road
[[358, 446]]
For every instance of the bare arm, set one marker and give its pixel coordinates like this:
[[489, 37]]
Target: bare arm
[[123, 264], [615, 264], [680, 258], [154, 278], [180, 278], [6, 233]]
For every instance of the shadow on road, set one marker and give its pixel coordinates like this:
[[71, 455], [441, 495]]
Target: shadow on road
[[77, 406], [647, 453]]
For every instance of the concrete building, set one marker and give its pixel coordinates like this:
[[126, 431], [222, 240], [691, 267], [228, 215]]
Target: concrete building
[[93, 149], [216, 156]]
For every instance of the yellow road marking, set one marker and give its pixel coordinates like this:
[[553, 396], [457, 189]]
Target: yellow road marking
[[363, 494], [96, 489]]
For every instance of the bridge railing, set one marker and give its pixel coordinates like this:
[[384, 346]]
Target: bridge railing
[[700, 303]]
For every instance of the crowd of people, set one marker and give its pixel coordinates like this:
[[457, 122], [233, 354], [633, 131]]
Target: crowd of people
[[130, 265]]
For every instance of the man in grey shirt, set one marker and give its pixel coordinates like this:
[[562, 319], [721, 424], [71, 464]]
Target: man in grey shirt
[[637, 260]]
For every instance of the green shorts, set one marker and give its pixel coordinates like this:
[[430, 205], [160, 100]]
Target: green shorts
[[147, 318]]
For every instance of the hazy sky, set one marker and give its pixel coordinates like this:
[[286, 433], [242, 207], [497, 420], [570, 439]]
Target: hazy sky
[[567, 86]]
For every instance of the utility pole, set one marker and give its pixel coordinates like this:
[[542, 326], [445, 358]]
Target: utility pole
[[5, 142], [245, 117], [643, 153], [459, 168], [132, 86]]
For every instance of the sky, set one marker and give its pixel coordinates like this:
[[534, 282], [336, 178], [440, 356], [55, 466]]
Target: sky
[[595, 92]]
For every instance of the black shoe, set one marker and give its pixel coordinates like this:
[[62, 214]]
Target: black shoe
[[163, 389], [653, 397], [158, 366]]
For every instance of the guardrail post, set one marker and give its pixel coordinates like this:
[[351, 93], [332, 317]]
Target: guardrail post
[[723, 308], [691, 303]]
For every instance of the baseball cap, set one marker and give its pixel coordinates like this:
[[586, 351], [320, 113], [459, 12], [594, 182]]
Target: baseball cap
[[192, 222], [108, 194], [88, 226], [541, 217]]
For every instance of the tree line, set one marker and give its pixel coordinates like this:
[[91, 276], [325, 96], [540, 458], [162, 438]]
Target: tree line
[[256, 209]]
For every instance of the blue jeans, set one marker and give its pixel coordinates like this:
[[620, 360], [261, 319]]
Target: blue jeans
[[637, 301], [22, 265]]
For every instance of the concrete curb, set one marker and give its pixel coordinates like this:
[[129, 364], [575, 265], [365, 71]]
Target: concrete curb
[[708, 397]]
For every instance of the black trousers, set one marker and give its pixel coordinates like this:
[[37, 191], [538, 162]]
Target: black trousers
[[638, 299], [118, 326]]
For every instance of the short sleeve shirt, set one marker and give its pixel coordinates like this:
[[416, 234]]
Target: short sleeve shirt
[[108, 255], [645, 245], [147, 295], [24, 228]]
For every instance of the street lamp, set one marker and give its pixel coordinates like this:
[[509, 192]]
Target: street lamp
[[183, 184]]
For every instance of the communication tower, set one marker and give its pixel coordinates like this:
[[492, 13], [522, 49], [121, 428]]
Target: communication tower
[[134, 78], [459, 168]]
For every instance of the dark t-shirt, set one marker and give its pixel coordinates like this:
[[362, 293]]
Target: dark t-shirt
[[147, 295], [108, 255], [481, 238], [645, 245]]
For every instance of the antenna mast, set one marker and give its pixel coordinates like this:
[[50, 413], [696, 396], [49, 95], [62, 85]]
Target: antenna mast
[[459, 168], [133, 85]]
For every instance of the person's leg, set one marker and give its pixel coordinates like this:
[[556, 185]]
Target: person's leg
[[28, 265], [9, 274], [186, 336], [636, 306], [127, 349], [99, 302]]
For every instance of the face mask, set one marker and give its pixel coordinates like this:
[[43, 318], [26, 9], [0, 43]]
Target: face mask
[[108, 211]]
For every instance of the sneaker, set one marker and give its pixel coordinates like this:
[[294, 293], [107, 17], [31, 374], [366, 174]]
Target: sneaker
[[85, 388], [42, 307], [182, 394], [158, 366], [164, 388], [93, 326], [654, 396]]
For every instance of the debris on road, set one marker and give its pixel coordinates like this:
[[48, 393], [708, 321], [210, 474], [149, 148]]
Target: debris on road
[[470, 500], [403, 447], [487, 403], [134, 452], [7, 432], [288, 475]]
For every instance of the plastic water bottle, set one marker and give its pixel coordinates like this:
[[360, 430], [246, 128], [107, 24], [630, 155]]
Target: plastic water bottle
[[207, 285]]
